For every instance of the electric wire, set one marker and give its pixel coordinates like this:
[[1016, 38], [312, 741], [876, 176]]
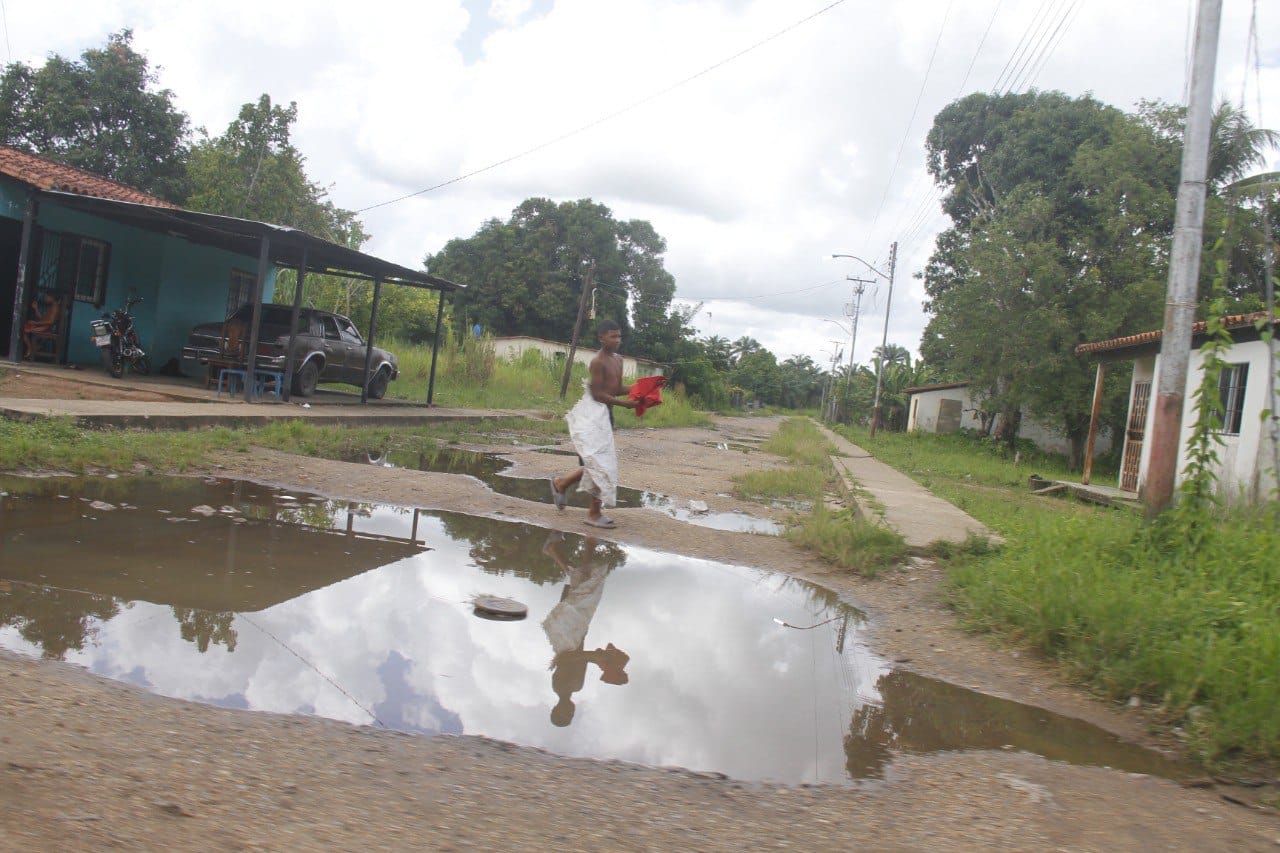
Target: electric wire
[[315, 668], [609, 116], [924, 82], [1023, 42], [4, 12], [1018, 75], [1059, 34]]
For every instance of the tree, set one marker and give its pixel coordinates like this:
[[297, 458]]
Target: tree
[[102, 114], [253, 171], [524, 276], [1061, 213]]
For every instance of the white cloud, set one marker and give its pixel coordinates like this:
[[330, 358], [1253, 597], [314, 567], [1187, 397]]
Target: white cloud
[[752, 171]]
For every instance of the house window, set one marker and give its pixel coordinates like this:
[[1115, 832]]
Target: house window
[[1231, 385], [241, 290], [82, 268]]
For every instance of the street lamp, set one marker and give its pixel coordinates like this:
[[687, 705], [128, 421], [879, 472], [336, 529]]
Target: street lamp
[[893, 261]]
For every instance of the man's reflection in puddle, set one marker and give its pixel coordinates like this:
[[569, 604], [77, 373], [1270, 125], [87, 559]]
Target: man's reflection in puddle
[[567, 624]]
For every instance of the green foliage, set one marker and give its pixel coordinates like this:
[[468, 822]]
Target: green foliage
[[1062, 213], [101, 114], [799, 441], [849, 541], [525, 276], [57, 444], [253, 171], [1135, 618]]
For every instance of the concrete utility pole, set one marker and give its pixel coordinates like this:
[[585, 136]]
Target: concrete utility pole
[[884, 340], [1184, 266], [858, 290]]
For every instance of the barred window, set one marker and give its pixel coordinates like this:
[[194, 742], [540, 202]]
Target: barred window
[[1231, 385]]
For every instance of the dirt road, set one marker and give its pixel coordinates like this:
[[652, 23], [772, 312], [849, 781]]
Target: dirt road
[[86, 762]]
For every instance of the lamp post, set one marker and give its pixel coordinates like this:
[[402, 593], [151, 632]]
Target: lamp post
[[893, 262]]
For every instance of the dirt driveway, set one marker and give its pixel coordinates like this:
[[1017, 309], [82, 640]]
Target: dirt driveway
[[87, 762]]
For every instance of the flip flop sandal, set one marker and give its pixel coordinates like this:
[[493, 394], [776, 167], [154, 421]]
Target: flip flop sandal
[[603, 521], [559, 498]]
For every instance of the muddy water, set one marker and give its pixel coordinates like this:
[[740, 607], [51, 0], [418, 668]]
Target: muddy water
[[248, 597], [489, 469]]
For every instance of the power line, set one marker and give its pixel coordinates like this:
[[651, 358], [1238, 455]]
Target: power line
[[1019, 71], [1033, 70], [1020, 47], [911, 121], [612, 115]]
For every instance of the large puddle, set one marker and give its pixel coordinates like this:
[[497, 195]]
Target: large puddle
[[245, 596], [490, 468]]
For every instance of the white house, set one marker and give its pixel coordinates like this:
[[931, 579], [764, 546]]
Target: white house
[[1246, 466], [511, 348], [951, 407]]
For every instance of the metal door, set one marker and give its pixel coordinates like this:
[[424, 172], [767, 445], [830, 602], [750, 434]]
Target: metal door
[[1134, 433]]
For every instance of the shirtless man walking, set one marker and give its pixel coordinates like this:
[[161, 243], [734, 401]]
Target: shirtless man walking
[[598, 459]]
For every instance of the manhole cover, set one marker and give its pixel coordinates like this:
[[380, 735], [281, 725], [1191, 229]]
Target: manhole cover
[[494, 607]]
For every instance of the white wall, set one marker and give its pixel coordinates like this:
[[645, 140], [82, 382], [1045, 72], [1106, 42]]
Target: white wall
[[923, 416], [511, 348], [1244, 460]]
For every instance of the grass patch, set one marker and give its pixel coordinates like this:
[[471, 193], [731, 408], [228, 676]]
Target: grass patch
[[843, 539], [1126, 606], [58, 444], [849, 541], [805, 483], [1200, 637]]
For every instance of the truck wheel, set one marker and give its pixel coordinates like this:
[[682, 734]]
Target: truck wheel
[[305, 380], [378, 384]]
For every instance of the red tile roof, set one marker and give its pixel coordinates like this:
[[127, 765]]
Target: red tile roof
[[1234, 321], [45, 174]]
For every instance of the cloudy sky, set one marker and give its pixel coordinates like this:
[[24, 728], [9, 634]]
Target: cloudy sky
[[758, 136]]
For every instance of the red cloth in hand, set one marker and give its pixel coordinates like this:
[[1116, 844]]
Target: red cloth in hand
[[646, 393]]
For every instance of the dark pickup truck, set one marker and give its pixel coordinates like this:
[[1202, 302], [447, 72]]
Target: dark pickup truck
[[328, 348]]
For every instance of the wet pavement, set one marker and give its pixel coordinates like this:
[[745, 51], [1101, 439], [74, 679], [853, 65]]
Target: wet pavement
[[245, 596]]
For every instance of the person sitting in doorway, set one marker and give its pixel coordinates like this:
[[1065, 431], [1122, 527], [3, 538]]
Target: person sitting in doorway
[[46, 310]]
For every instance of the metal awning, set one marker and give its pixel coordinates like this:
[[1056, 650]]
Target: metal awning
[[273, 245], [244, 236]]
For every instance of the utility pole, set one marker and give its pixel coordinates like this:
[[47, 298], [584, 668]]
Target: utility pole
[[884, 340], [577, 326], [861, 286], [1184, 266], [829, 386]]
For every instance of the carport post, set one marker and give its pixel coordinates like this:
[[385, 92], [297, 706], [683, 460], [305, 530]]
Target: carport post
[[251, 358], [293, 326], [435, 348], [368, 345], [20, 290]]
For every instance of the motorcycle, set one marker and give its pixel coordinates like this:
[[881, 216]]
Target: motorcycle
[[117, 341]]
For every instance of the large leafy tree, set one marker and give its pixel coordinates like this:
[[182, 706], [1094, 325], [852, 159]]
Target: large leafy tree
[[524, 276], [102, 113], [1061, 210]]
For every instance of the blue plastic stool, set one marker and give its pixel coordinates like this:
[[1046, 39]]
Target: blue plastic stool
[[262, 377], [229, 374]]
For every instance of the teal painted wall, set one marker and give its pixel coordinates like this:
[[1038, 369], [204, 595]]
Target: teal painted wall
[[181, 284]]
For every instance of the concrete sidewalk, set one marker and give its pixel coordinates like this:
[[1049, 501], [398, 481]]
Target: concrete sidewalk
[[905, 506]]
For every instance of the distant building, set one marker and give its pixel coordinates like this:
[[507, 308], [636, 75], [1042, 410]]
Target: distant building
[[512, 347], [1245, 461], [951, 407]]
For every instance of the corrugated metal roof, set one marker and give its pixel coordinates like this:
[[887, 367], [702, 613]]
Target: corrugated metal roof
[[44, 174], [1234, 321]]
